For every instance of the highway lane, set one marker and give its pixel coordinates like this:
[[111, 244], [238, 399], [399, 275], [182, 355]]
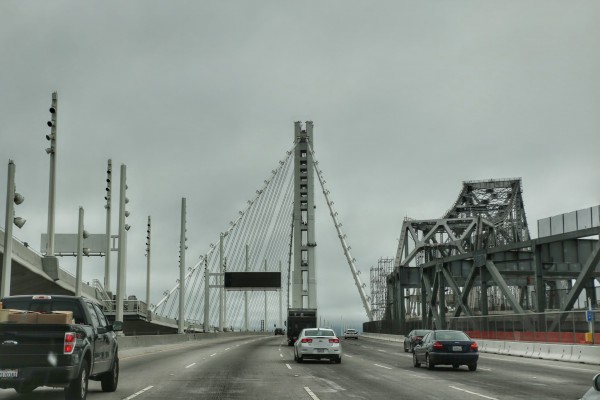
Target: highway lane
[[262, 367], [497, 376]]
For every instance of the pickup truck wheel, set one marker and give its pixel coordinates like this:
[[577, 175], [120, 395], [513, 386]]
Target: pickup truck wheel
[[25, 389], [110, 380], [77, 389]]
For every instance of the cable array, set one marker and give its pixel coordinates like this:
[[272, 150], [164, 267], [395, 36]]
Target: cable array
[[264, 227]]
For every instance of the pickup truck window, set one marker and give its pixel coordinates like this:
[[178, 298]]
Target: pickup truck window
[[95, 322], [101, 318]]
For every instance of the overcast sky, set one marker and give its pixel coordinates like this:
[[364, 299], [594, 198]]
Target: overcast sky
[[199, 99]]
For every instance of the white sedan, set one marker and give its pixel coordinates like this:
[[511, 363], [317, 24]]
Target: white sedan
[[318, 343]]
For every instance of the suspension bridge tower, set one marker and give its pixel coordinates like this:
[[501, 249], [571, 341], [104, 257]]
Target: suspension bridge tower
[[304, 281]]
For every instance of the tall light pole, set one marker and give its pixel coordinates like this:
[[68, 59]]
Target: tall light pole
[[221, 283], [107, 206], [246, 296], [182, 248], [148, 243], [11, 197], [52, 185], [206, 322], [122, 253], [266, 328], [280, 299], [81, 234]]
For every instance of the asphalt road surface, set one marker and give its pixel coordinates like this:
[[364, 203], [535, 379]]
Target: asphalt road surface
[[263, 367]]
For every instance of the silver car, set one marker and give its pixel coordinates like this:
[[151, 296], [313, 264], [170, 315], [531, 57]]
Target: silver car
[[317, 344], [350, 334]]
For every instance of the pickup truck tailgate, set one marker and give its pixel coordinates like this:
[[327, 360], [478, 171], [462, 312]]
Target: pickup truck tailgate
[[24, 345]]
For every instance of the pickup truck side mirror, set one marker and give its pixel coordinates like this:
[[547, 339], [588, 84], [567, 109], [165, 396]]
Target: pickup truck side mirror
[[117, 326]]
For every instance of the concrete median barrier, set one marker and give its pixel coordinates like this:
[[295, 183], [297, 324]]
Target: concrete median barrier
[[588, 354], [494, 346], [551, 351], [520, 349]]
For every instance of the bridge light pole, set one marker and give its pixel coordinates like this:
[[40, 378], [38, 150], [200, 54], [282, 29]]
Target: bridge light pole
[[11, 197], [122, 252], [52, 184], [182, 248], [266, 329], [81, 234], [221, 281], [246, 295], [206, 322], [148, 263], [108, 198]]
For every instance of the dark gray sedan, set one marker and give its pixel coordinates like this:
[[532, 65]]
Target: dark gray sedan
[[446, 347]]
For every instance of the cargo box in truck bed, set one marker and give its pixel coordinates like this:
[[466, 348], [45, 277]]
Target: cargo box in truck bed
[[58, 341]]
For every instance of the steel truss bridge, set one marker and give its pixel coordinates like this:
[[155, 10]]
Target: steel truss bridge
[[479, 259]]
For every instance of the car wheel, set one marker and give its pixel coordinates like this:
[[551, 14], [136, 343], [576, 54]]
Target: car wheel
[[416, 363], [338, 360], [473, 367], [77, 389], [405, 349], [299, 359], [430, 365], [110, 380]]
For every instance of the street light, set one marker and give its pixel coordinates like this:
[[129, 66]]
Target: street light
[[52, 192], [122, 253], [12, 197], [108, 207]]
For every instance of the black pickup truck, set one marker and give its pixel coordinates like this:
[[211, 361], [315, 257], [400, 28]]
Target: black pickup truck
[[58, 354]]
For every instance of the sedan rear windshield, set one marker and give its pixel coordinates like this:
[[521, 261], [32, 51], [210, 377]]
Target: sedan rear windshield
[[451, 336], [318, 332]]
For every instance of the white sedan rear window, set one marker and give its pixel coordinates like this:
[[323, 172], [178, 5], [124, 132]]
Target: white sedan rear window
[[319, 332]]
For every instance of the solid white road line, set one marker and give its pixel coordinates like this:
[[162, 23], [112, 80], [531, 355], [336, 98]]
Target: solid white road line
[[138, 393], [473, 393], [191, 365], [310, 393]]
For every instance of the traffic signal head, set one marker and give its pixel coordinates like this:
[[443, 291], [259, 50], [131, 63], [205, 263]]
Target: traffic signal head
[[19, 222]]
